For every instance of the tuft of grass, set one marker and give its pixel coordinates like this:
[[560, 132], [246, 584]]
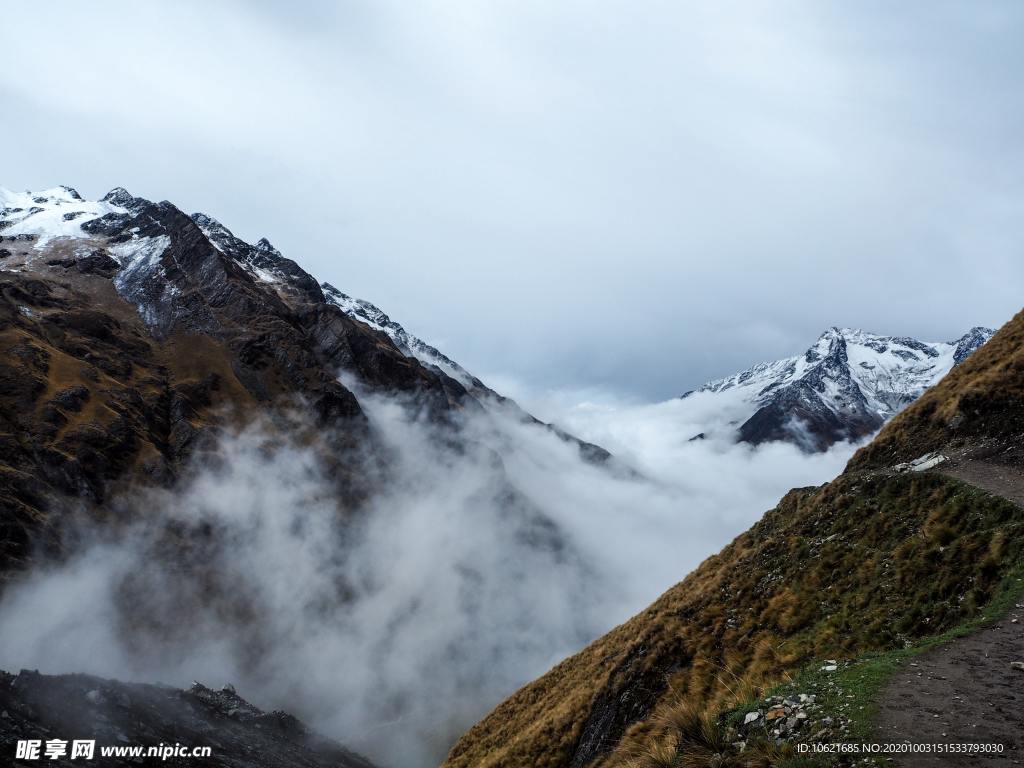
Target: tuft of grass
[[656, 754]]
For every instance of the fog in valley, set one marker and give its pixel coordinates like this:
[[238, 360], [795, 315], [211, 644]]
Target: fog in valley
[[487, 551]]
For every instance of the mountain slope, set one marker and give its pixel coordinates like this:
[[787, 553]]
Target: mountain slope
[[844, 387], [875, 560], [132, 334], [371, 315], [130, 338], [250, 445]]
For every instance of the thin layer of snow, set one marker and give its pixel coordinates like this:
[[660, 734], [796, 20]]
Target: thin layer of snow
[[139, 258], [263, 275]]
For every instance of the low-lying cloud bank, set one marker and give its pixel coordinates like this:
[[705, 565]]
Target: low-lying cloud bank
[[477, 564]]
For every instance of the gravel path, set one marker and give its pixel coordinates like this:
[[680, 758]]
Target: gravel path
[[966, 691]]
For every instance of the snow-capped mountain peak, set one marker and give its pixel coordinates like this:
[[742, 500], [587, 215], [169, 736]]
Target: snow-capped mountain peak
[[40, 221], [845, 386]]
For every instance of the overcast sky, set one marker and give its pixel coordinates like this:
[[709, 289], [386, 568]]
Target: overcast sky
[[630, 196]]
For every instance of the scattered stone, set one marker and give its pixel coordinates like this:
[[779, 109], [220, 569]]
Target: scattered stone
[[1018, 665], [921, 463]]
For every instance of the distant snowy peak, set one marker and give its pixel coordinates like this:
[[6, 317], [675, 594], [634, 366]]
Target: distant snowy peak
[[843, 388]]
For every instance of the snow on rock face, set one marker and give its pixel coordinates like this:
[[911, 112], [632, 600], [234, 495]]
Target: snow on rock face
[[843, 388], [139, 259], [969, 342]]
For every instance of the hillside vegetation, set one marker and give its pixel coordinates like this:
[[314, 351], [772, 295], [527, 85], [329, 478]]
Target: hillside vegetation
[[873, 561]]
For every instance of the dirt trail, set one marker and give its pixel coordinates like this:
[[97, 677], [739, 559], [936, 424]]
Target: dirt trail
[[1001, 479], [966, 691]]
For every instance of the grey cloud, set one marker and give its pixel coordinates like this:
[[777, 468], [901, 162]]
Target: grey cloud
[[635, 196]]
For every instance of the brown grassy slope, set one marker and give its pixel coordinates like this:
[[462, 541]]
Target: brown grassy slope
[[91, 401], [868, 562], [87, 397], [981, 399]]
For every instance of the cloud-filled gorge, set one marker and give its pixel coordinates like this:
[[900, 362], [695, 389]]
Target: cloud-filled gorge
[[484, 554]]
